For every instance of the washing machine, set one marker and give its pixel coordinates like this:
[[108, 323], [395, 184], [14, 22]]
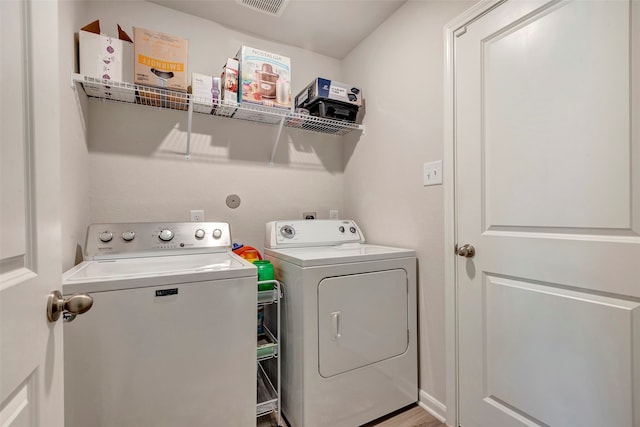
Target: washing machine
[[171, 337], [349, 340]]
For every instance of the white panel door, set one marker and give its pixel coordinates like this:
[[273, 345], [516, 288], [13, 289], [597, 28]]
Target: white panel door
[[30, 267], [547, 170]]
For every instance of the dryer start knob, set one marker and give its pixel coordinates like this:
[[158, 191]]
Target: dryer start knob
[[165, 235], [288, 232], [217, 233]]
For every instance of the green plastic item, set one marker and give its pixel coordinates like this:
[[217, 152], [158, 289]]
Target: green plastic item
[[265, 347], [265, 272]]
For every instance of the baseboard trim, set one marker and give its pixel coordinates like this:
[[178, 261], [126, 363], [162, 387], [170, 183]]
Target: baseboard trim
[[433, 406]]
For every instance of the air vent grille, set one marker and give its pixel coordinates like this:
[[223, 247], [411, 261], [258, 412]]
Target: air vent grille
[[269, 7]]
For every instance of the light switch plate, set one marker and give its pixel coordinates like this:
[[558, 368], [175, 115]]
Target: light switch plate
[[433, 173]]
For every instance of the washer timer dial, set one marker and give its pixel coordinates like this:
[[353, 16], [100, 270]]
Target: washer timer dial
[[165, 235]]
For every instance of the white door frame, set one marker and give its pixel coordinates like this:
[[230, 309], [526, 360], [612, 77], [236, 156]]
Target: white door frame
[[457, 25]]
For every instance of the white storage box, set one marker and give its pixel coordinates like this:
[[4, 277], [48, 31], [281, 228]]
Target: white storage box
[[205, 92], [106, 58], [265, 78], [229, 89]]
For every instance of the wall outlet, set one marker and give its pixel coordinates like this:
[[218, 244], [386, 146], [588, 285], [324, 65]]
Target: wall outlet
[[334, 214], [433, 173], [196, 215], [309, 215]]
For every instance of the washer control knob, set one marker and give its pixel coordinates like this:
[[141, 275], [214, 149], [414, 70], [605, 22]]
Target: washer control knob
[[288, 232], [199, 233], [217, 233], [105, 236], [341, 229], [352, 229], [128, 236], [165, 235]]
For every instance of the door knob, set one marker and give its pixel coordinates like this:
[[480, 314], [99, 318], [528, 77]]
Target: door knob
[[466, 250], [74, 305]]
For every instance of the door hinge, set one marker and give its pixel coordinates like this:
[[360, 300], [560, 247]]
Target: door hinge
[[460, 31]]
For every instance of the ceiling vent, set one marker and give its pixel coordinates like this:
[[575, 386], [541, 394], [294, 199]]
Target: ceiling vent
[[269, 7]]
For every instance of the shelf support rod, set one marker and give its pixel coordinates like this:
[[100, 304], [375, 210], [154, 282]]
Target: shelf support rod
[[275, 144], [189, 121]]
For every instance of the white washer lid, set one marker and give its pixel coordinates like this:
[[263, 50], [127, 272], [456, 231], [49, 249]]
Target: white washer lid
[[126, 273], [341, 254]]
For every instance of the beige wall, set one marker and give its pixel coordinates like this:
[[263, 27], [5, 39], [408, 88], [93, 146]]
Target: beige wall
[[400, 66], [74, 156], [132, 166]]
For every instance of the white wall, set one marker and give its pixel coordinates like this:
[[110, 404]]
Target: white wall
[[137, 169], [400, 67], [74, 156]]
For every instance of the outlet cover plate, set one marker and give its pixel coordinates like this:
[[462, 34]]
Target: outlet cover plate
[[196, 215]]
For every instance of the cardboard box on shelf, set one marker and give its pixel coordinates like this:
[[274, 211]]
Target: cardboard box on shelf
[[163, 98], [205, 91], [160, 60], [265, 78], [106, 58], [229, 89], [325, 89]]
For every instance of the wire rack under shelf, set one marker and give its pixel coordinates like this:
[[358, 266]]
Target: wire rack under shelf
[[166, 99]]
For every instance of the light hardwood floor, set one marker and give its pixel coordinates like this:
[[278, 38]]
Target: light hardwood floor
[[411, 416]]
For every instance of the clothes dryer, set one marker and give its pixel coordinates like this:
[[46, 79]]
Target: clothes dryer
[[349, 340]]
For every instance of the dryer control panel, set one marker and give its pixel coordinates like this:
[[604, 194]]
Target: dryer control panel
[[309, 233]]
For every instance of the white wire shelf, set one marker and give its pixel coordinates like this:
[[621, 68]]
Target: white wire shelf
[[161, 98], [267, 395]]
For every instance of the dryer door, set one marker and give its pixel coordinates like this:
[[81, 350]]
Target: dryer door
[[362, 319]]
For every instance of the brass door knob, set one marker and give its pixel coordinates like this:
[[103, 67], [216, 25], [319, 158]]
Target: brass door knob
[[74, 305], [466, 250]]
